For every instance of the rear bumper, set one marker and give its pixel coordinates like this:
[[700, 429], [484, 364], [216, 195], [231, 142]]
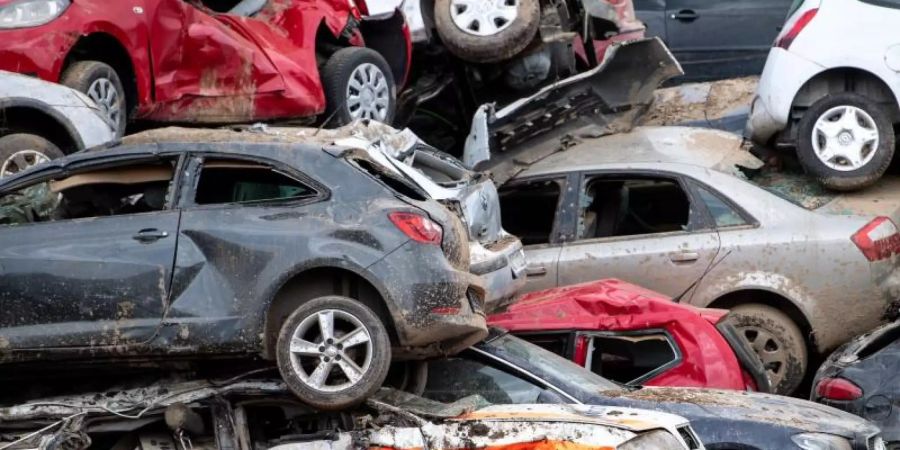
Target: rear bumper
[[784, 75], [502, 270]]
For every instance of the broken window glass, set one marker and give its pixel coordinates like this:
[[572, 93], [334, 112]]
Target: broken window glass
[[452, 379], [224, 181], [723, 214], [528, 210], [97, 193], [626, 207], [629, 358]]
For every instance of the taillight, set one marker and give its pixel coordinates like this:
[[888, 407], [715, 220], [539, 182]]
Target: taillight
[[787, 39], [581, 350], [878, 240], [838, 389], [418, 228]]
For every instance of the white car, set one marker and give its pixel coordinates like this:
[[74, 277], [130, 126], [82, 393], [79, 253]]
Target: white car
[[830, 90]]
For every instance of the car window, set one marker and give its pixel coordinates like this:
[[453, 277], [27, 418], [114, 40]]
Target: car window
[[224, 181], [528, 210], [132, 189], [613, 207], [722, 213], [885, 3], [628, 358], [452, 379]]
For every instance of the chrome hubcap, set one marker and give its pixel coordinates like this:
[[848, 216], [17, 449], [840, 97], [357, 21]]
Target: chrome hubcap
[[483, 17], [770, 351], [103, 92], [368, 93], [331, 350], [20, 161], [845, 138]]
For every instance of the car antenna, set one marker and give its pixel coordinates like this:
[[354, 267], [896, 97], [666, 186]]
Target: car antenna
[[327, 120], [709, 269]]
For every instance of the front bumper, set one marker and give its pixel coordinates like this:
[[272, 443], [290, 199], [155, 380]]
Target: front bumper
[[784, 75], [38, 51]]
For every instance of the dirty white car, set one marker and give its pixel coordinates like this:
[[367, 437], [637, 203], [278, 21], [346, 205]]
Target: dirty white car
[[667, 208], [40, 121], [830, 89], [260, 414]]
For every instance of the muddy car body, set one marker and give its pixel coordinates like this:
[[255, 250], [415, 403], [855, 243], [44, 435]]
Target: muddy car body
[[859, 378], [507, 369], [40, 120], [226, 246], [673, 214], [258, 413], [635, 336], [212, 61]]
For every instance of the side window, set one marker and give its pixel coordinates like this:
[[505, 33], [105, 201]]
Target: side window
[[528, 210], [723, 214], [226, 181], [625, 207], [115, 191], [452, 379], [553, 342], [628, 358]]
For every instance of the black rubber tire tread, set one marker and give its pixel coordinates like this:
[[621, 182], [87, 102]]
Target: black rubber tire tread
[[81, 74], [500, 47], [336, 75], [12, 143], [354, 395], [778, 324], [857, 179]]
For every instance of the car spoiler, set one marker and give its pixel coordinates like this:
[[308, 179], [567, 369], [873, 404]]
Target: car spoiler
[[608, 98]]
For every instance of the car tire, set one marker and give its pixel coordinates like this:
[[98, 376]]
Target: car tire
[[821, 146], [303, 366], [20, 151], [777, 340], [102, 84], [500, 43], [358, 84]]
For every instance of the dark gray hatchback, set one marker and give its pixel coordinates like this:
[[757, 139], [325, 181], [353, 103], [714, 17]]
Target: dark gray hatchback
[[190, 246]]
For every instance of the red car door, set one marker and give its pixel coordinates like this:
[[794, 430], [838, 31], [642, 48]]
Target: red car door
[[204, 69]]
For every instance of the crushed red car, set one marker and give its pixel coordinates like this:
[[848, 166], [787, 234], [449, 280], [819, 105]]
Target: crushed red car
[[212, 61], [636, 336]]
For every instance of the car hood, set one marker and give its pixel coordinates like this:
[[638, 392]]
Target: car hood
[[734, 406]]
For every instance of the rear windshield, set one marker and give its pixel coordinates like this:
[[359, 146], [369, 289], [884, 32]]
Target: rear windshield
[[794, 7], [885, 3], [798, 189]]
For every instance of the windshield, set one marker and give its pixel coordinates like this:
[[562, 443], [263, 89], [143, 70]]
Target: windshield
[[546, 364]]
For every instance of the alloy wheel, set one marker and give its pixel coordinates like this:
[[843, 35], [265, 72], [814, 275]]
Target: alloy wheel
[[103, 92], [368, 93], [331, 350], [770, 351], [20, 161], [483, 17], [845, 138]]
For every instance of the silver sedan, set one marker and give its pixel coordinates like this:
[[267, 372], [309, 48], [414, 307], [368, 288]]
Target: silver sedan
[[668, 208]]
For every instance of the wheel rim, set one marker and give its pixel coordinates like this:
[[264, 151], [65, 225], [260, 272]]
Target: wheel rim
[[771, 352], [331, 350], [845, 138], [368, 93], [103, 92], [483, 17], [22, 160]]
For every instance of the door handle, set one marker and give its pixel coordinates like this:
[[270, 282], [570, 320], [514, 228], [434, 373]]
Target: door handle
[[148, 235], [536, 271], [684, 257], [685, 15]]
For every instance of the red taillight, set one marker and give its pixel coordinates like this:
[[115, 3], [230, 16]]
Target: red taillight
[[878, 240], [418, 228], [581, 350], [787, 39], [838, 389]]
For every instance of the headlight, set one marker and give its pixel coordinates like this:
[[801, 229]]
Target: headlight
[[821, 441], [31, 13]]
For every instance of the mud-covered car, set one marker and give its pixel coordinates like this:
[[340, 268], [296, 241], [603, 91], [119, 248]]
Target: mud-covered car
[[41, 121], [636, 337], [258, 413], [208, 243], [507, 369], [860, 378], [211, 61]]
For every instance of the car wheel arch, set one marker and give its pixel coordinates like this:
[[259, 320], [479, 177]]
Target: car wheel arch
[[18, 115], [851, 79], [768, 297], [107, 48], [322, 279]]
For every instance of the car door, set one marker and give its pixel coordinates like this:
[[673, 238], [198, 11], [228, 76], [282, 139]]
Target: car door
[[715, 39], [537, 211], [640, 227], [653, 14], [86, 257], [205, 69]]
